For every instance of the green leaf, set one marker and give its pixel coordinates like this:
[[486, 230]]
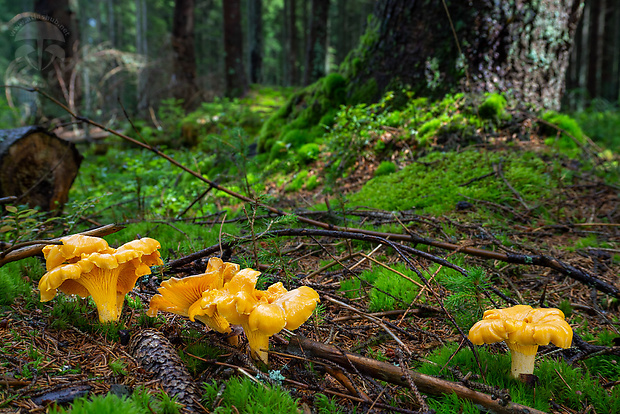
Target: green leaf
[[11, 209], [4, 229]]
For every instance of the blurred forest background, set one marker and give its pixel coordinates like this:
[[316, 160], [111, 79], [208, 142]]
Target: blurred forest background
[[144, 51], [135, 51]]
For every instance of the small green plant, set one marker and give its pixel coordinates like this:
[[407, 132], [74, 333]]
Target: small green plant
[[467, 302], [118, 367], [325, 405], [201, 350], [246, 396], [566, 308]]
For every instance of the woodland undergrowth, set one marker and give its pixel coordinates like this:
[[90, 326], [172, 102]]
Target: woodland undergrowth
[[473, 181]]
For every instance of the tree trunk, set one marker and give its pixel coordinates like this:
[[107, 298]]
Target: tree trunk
[[255, 26], [142, 49], [236, 81], [37, 167], [57, 60], [184, 77], [292, 42], [316, 48], [520, 48]]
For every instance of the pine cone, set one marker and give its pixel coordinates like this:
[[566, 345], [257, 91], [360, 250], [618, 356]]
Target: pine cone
[[155, 353]]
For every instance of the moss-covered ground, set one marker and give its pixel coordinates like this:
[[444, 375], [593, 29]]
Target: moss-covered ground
[[467, 171]]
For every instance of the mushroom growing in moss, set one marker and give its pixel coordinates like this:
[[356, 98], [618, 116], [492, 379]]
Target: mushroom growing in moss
[[87, 266], [523, 329], [180, 296], [260, 313]]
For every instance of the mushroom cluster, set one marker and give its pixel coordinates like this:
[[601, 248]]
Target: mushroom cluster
[[225, 295], [88, 266], [523, 329]]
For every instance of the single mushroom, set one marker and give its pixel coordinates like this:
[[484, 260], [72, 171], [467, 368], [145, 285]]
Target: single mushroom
[[182, 296], [261, 314], [87, 266], [523, 329]]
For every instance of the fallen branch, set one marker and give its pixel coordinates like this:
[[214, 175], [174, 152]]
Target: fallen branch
[[393, 374], [373, 236], [33, 250]]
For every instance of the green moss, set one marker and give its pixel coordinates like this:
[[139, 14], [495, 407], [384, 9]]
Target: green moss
[[389, 290], [492, 107], [308, 152], [385, 168], [140, 402], [246, 396], [298, 181], [312, 182], [16, 279], [564, 143], [329, 118], [364, 93], [309, 110], [565, 385], [428, 129], [444, 172], [333, 85]]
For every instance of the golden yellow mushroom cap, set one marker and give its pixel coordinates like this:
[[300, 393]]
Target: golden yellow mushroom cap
[[86, 265], [268, 318], [523, 328], [72, 249], [298, 305]]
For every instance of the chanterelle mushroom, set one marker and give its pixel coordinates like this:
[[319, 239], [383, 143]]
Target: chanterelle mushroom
[[523, 329], [260, 313], [87, 266], [180, 296]]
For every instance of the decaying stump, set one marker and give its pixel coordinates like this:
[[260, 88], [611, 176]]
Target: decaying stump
[[37, 167]]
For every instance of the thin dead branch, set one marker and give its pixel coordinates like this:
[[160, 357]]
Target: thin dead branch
[[393, 374]]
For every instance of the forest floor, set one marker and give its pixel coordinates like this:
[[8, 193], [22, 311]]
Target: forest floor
[[372, 305]]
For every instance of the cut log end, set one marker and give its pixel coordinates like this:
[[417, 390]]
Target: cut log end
[[37, 167]]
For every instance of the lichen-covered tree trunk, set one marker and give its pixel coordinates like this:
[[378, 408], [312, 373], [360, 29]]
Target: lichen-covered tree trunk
[[519, 47], [236, 81]]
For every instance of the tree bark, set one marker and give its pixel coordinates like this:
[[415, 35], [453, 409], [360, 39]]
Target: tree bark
[[520, 48], [316, 47], [292, 42], [183, 82], [236, 81], [255, 26]]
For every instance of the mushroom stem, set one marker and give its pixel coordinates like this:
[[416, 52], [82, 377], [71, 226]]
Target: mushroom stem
[[258, 341], [522, 363]]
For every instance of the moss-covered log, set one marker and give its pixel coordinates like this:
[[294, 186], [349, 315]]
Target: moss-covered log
[[37, 167]]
